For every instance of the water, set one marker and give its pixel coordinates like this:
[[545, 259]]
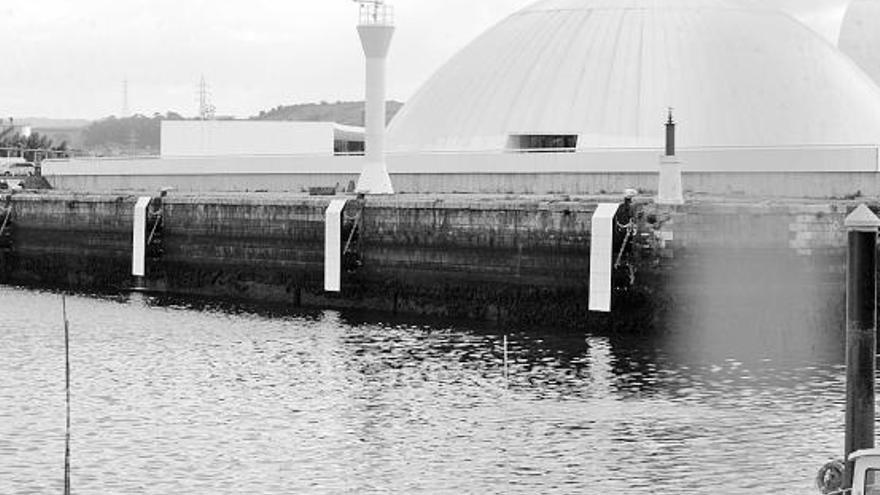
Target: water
[[170, 398]]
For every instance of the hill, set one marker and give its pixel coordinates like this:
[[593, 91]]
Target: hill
[[42, 122], [341, 112], [138, 134]]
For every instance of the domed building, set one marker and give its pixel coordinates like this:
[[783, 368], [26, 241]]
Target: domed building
[[772, 98], [823, 16], [600, 74], [860, 36]]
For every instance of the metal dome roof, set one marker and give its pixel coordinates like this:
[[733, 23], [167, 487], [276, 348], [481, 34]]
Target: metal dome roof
[[860, 36], [823, 16], [737, 74]]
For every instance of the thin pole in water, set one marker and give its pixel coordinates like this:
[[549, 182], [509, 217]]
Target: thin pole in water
[[67, 389], [506, 374]]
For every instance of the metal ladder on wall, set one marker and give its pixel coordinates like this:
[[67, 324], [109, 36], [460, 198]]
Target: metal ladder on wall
[[155, 224], [352, 259], [6, 228]]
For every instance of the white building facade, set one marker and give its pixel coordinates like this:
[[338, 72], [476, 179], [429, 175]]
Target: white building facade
[[200, 138]]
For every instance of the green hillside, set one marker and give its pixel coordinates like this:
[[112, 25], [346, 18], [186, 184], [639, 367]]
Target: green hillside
[[139, 134], [342, 112]]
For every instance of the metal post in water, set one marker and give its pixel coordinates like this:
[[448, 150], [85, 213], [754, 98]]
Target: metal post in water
[[506, 375], [861, 332], [67, 390]]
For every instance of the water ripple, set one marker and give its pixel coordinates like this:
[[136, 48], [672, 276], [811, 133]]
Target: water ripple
[[169, 398]]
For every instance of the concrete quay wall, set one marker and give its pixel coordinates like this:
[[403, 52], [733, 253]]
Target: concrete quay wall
[[730, 264], [475, 259]]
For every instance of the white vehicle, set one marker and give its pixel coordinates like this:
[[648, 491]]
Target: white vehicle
[[6, 161], [19, 169], [866, 472]]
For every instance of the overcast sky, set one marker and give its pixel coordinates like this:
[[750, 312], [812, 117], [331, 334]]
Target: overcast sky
[[66, 58]]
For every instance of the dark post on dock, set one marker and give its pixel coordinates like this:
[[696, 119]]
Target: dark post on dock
[[670, 135], [861, 331]]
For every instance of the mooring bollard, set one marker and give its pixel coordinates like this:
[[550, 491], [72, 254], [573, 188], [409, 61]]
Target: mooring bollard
[[861, 332]]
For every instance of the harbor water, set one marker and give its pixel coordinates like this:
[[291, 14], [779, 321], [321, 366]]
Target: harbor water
[[171, 396]]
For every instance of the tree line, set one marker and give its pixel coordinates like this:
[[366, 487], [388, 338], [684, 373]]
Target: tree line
[[128, 135], [32, 147], [341, 112], [140, 134]]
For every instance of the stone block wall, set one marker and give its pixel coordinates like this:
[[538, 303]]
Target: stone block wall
[[487, 259], [739, 271], [715, 264], [71, 240]]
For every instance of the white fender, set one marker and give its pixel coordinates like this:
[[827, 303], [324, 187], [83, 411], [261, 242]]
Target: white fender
[[139, 237], [333, 246], [601, 254]]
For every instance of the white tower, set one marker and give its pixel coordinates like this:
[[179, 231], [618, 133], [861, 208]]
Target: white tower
[[376, 27]]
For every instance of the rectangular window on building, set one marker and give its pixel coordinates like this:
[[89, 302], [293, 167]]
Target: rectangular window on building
[[872, 482], [542, 143], [348, 147]]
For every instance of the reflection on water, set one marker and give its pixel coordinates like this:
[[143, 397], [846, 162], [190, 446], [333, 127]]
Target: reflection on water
[[172, 399]]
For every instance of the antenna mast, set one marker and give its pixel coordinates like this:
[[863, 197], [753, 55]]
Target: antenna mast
[[125, 109], [206, 109]]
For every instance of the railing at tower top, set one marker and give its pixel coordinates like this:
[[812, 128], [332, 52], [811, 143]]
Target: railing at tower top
[[375, 13]]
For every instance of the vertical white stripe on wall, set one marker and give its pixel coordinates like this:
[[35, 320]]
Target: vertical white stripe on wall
[[333, 246], [601, 254], [139, 237]]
